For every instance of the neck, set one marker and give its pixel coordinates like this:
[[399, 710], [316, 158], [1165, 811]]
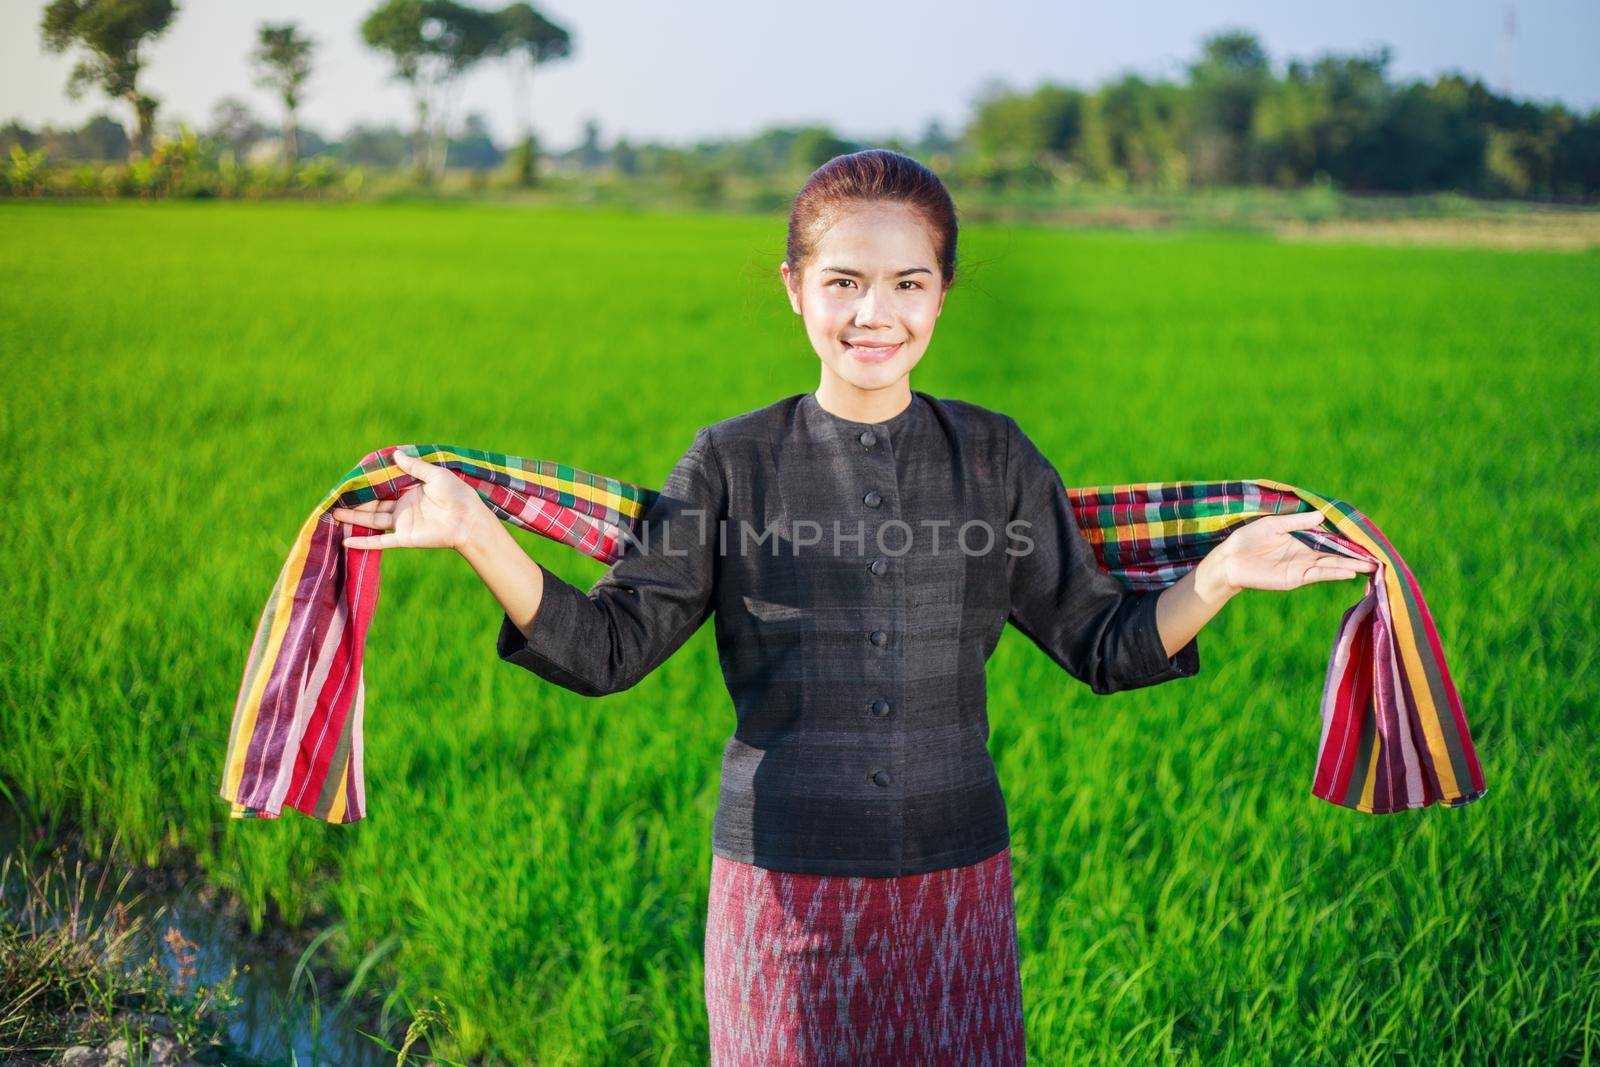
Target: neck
[[841, 398]]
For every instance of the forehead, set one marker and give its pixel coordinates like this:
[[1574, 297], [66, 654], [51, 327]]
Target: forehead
[[879, 234]]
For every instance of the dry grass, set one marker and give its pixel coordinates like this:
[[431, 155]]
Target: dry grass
[[1568, 231]]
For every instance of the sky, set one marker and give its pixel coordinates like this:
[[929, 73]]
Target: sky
[[697, 70]]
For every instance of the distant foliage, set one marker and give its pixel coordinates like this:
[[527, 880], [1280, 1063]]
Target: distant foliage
[[1234, 124], [282, 58], [108, 35], [185, 164], [1236, 121]]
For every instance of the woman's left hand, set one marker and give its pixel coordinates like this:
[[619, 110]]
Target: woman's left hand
[[1262, 554]]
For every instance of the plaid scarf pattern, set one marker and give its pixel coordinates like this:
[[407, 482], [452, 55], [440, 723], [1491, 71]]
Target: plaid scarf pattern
[[1394, 736]]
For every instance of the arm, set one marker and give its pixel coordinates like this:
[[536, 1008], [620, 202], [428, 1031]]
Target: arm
[[1098, 630], [650, 601], [1184, 607]]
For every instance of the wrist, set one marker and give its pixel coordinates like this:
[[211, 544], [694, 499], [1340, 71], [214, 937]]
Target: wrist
[[1211, 581], [478, 534]]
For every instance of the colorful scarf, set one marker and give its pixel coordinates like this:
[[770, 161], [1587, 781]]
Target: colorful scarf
[[1393, 733]]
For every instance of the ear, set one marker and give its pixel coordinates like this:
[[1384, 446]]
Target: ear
[[789, 283]]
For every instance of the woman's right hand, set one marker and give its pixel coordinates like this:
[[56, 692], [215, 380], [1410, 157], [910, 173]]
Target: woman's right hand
[[441, 512]]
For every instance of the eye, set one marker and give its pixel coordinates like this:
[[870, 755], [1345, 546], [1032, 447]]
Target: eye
[[851, 281]]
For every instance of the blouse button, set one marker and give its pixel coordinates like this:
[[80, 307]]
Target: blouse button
[[872, 499], [880, 707], [868, 438], [877, 566], [881, 778], [878, 637]]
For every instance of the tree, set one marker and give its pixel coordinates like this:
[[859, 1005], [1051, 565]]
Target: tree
[[283, 63], [815, 145], [934, 141], [1140, 124], [624, 157], [1577, 163], [474, 147], [1324, 117], [373, 146], [395, 28], [431, 43], [589, 155], [1432, 137], [527, 39], [234, 125], [111, 31], [1015, 127], [102, 137], [457, 38], [1225, 85]]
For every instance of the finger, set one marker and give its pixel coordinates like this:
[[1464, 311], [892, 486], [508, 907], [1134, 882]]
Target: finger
[[1328, 555], [369, 541], [420, 469], [1299, 520], [371, 507], [1330, 574], [376, 520], [1344, 562]]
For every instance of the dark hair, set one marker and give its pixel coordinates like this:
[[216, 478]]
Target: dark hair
[[872, 174]]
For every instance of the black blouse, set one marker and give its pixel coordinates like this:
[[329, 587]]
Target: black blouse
[[860, 575]]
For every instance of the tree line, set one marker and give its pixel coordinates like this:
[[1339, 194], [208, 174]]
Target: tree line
[[429, 45], [1234, 120], [1231, 119]]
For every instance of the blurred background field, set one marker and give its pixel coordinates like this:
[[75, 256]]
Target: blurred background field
[[1334, 142], [183, 381]]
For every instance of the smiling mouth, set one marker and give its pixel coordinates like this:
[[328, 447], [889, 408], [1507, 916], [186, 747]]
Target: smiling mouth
[[876, 353]]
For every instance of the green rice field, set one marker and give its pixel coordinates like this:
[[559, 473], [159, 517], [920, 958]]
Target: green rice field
[[182, 382]]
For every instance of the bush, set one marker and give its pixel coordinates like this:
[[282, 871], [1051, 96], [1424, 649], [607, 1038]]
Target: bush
[[185, 165], [24, 172]]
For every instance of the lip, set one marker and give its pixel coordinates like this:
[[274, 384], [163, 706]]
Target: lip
[[873, 353]]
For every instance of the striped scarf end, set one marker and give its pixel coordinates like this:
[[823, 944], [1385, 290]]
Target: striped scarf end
[[1459, 800], [238, 810]]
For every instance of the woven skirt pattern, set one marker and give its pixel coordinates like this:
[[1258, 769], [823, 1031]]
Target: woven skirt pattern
[[830, 969]]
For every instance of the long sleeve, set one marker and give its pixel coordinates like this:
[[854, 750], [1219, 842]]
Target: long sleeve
[[647, 604], [1099, 630]]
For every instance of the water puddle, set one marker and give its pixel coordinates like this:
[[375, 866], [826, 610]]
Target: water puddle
[[282, 1018]]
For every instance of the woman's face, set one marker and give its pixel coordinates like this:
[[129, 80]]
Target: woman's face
[[870, 294]]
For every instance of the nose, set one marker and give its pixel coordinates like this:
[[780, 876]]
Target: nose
[[872, 310]]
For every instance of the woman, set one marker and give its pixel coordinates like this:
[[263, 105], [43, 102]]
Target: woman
[[862, 547]]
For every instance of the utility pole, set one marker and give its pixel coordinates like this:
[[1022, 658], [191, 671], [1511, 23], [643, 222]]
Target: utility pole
[[1508, 37]]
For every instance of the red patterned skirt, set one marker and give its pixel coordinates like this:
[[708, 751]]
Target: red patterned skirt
[[828, 969]]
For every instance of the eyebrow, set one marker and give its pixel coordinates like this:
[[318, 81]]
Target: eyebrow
[[858, 274]]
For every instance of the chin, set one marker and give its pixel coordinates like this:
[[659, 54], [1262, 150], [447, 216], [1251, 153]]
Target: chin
[[872, 377]]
